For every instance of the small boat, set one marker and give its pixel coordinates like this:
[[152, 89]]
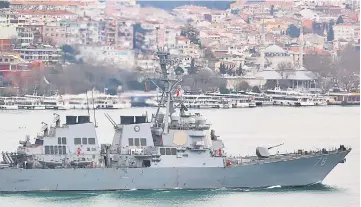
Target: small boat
[[343, 99]]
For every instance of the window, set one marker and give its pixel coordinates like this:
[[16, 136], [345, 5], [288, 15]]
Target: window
[[55, 150], [85, 141], [94, 149], [173, 151], [59, 140], [63, 140], [47, 150], [143, 142], [64, 150], [60, 149], [162, 151], [91, 141], [136, 141], [131, 142], [51, 150], [167, 151], [77, 141], [88, 149]]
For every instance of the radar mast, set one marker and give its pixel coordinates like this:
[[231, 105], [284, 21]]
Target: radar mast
[[169, 83]]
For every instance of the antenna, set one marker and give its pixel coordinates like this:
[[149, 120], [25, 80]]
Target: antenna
[[87, 102], [169, 84], [95, 120], [111, 120]]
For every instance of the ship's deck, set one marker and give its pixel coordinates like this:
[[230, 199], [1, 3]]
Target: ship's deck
[[251, 160]]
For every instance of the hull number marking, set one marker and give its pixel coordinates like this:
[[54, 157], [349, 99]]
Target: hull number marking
[[321, 161]]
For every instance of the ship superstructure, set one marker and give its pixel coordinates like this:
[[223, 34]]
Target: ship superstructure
[[171, 149]]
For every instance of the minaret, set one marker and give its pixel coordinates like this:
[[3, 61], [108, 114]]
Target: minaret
[[262, 58], [301, 45], [262, 42]]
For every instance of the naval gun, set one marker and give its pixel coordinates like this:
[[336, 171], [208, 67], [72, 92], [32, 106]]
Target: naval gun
[[263, 152]]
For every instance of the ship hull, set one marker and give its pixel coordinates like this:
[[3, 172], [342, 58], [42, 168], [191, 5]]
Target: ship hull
[[297, 172]]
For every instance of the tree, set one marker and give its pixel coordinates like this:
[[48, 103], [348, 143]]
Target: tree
[[270, 84], [193, 68], [339, 20], [240, 71], [179, 71], [248, 20], [70, 53], [243, 86], [205, 80], [222, 69], [68, 49], [272, 10], [285, 69], [348, 67], [293, 31], [191, 33], [330, 33], [321, 65], [255, 89], [229, 69]]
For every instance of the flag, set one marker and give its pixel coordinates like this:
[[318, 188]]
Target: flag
[[146, 86], [178, 92], [46, 81]]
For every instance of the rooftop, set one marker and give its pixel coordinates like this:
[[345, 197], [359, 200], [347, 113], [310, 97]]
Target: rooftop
[[274, 49], [45, 12]]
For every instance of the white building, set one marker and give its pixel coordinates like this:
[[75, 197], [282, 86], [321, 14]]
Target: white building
[[349, 32], [107, 54], [46, 53]]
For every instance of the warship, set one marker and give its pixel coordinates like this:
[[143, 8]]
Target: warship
[[171, 149]]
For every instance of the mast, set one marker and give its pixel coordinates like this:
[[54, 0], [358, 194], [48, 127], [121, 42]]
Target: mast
[[87, 102], [95, 121], [169, 84]]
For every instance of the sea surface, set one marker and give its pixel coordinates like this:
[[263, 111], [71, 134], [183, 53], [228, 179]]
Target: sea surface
[[242, 131]]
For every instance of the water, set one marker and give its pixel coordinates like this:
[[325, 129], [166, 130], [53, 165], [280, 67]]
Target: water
[[242, 131]]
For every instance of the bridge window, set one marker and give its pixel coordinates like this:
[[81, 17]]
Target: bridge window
[[77, 141], [60, 149], [51, 150], [91, 141], [136, 142], [162, 151], [143, 142], [131, 142], [47, 151], [55, 150], [85, 141], [64, 150], [167, 151], [63, 140]]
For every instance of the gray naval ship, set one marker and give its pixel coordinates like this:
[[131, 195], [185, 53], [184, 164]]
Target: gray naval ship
[[174, 149]]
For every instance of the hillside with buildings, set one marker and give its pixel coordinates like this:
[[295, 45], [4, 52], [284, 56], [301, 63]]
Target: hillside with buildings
[[86, 43]]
